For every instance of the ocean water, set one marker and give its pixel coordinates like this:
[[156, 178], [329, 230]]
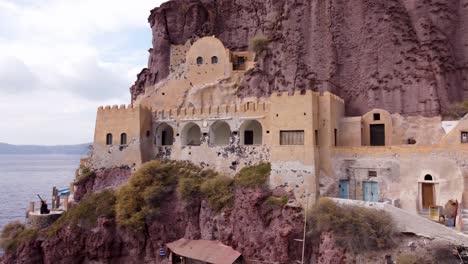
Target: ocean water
[[22, 177]]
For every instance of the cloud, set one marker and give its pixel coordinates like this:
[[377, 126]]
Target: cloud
[[61, 59], [15, 76]]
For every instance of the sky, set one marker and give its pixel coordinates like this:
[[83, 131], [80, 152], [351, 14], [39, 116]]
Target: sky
[[61, 59]]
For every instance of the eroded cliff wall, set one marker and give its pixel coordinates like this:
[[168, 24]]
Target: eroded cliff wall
[[405, 56]]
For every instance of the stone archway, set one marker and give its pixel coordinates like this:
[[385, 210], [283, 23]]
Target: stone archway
[[251, 133], [164, 135], [191, 135], [220, 133]]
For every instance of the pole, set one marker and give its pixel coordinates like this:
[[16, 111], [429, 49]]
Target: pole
[[305, 226]]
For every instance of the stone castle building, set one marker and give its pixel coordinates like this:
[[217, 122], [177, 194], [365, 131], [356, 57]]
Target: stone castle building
[[313, 147]]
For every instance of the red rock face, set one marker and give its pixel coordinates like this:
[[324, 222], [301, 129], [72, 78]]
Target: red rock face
[[110, 178], [259, 232], [405, 56]]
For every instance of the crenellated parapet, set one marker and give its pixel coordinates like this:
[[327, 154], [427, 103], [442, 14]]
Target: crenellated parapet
[[248, 108], [122, 107]]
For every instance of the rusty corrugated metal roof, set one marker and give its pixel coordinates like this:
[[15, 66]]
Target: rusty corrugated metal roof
[[205, 250]]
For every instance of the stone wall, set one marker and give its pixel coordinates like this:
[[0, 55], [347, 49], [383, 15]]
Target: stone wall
[[38, 221]]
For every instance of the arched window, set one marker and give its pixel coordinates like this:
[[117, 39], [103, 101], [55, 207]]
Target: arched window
[[191, 135], [164, 135], [199, 60], [220, 133], [251, 133], [109, 139], [214, 60], [428, 177], [123, 139]]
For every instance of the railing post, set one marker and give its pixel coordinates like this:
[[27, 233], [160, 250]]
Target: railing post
[[54, 197], [65, 203], [31, 207]]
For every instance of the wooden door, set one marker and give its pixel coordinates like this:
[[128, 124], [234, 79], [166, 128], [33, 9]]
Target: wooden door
[[371, 191], [377, 135], [427, 195], [344, 189]]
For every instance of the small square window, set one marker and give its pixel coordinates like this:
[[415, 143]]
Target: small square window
[[376, 117], [464, 137]]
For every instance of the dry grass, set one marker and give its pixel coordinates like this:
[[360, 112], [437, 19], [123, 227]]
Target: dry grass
[[456, 111], [356, 228], [414, 259], [15, 233], [253, 176]]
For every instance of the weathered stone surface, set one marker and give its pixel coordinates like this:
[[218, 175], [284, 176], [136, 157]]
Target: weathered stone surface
[[260, 232], [110, 178], [405, 56]]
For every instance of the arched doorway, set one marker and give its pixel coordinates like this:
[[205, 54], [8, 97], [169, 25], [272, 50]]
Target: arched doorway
[[251, 133], [428, 192], [191, 135], [220, 133], [164, 135]]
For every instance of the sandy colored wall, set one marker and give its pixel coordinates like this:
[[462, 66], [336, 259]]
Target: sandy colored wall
[[453, 138], [207, 72], [400, 172], [368, 119], [350, 132], [135, 121]]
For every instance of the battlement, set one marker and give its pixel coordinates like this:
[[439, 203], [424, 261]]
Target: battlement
[[333, 97], [122, 107], [219, 110], [295, 93]]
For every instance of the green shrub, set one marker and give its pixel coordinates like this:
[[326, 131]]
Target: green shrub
[[219, 192], [189, 184], [274, 201], [139, 200], [259, 43], [15, 233], [86, 213], [83, 174], [356, 228], [253, 176]]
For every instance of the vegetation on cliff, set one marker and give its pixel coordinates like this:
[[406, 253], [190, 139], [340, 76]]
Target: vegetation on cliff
[[15, 233], [259, 44], [356, 228], [83, 174], [87, 212], [253, 176], [140, 199], [456, 111]]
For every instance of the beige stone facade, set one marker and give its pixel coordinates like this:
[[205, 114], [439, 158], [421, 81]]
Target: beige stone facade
[[313, 148]]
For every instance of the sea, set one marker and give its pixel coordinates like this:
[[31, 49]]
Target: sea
[[23, 177]]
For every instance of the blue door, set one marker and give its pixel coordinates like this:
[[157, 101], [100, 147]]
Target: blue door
[[371, 191], [344, 189]]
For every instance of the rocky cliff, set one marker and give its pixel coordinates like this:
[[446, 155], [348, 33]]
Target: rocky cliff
[[405, 56], [261, 233]]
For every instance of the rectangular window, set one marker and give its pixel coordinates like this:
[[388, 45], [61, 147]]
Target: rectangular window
[[372, 173], [292, 137], [316, 137], [376, 117], [464, 137], [336, 138]]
